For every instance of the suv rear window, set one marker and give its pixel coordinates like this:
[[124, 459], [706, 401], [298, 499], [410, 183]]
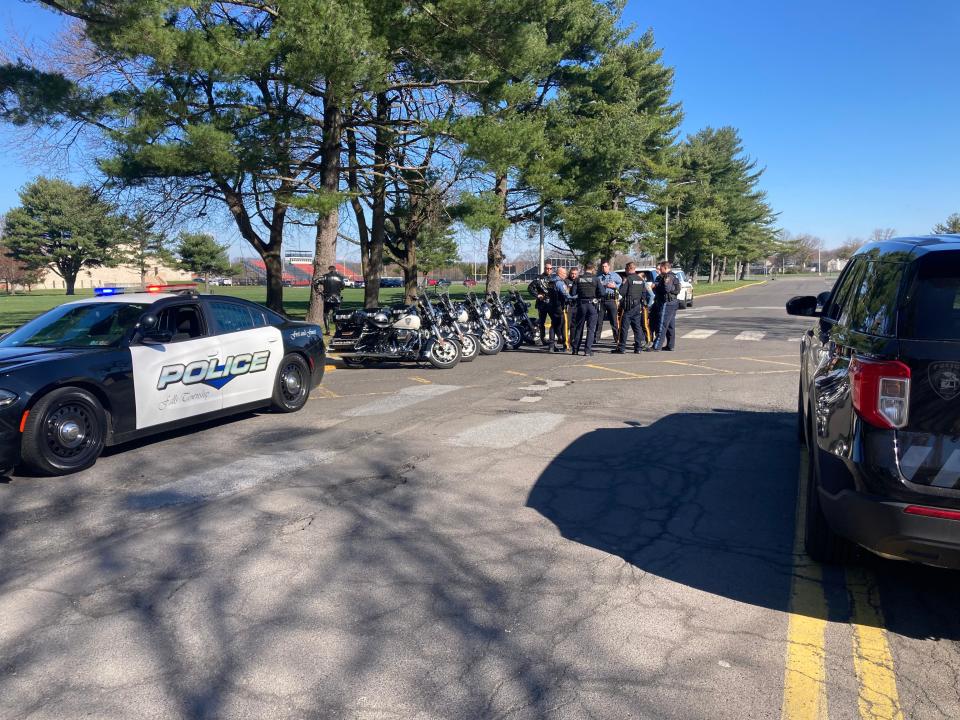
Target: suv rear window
[[873, 303], [932, 309]]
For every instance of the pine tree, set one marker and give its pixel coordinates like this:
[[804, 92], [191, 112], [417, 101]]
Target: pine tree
[[63, 227]]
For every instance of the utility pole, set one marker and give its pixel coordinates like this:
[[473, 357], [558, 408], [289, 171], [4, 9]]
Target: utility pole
[[819, 246], [542, 258], [666, 232]]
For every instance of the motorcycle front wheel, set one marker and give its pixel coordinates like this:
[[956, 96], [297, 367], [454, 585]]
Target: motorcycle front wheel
[[491, 342], [469, 347], [444, 354], [514, 337]]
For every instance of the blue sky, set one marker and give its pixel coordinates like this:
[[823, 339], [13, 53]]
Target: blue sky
[[851, 106]]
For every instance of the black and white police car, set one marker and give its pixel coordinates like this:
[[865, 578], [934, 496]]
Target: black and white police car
[[108, 369], [879, 404]]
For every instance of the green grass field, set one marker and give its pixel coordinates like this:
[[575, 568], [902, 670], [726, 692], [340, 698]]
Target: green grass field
[[15, 310]]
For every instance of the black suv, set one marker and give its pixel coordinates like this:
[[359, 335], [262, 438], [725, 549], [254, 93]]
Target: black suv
[[879, 404]]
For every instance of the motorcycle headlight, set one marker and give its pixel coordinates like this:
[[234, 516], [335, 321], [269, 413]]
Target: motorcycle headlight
[[485, 311], [463, 316], [7, 398]]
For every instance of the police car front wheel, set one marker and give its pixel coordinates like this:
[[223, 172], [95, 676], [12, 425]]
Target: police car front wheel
[[64, 432], [292, 386]]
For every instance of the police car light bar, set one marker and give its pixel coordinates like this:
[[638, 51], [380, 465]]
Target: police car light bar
[[155, 288]]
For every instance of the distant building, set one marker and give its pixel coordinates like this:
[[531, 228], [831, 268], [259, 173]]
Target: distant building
[[836, 265], [122, 276]]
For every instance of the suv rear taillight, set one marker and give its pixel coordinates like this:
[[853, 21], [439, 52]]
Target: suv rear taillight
[[881, 391]]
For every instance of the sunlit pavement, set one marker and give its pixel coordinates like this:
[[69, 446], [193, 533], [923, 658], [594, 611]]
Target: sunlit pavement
[[531, 535]]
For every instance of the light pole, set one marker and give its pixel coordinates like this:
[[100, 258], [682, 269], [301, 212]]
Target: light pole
[[542, 258], [819, 246]]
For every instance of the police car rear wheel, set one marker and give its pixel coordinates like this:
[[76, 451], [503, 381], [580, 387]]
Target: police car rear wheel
[[292, 386], [64, 432]]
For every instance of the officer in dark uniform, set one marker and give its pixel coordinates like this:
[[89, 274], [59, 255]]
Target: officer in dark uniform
[[587, 299], [559, 297], [666, 291], [539, 288], [330, 285], [633, 290], [609, 294]]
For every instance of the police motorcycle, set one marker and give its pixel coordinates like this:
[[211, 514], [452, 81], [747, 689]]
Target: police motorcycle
[[518, 314], [480, 323], [453, 319], [501, 318], [400, 332]]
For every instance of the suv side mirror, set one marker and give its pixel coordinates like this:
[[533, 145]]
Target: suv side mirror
[[803, 305], [822, 299]]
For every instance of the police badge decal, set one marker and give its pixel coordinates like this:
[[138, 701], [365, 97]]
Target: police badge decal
[[945, 379]]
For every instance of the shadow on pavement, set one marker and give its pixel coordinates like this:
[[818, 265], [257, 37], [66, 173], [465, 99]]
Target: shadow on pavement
[[708, 500]]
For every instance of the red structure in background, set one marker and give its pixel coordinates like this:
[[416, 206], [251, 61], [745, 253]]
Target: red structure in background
[[296, 274]]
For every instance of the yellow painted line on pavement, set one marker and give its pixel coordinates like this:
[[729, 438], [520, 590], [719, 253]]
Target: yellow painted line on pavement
[[700, 366], [621, 372], [324, 392], [422, 381], [329, 368], [804, 679], [878, 698], [772, 362]]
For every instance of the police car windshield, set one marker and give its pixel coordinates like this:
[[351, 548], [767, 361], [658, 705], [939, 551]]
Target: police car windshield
[[78, 326]]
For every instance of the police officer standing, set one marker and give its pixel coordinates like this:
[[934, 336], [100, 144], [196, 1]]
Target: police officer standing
[[587, 296], [633, 291], [331, 285], [539, 288], [609, 294], [666, 291], [559, 296]]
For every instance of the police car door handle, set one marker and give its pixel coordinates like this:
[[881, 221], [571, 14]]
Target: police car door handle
[[272, 340]]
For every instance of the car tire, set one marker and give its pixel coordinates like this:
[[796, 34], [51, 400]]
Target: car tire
[[291, 389], [64, 432], [690, 303], [354, 362], [819, 539]]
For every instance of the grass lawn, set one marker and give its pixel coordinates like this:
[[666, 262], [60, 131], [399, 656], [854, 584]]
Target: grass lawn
[[713, 288], [15, 310]]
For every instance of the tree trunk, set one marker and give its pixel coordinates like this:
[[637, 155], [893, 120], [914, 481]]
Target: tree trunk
[[712, 268], [325, 245], [378, 207], [723, 269], [70, 280], [274, 264], [495, 246], [410, 272]]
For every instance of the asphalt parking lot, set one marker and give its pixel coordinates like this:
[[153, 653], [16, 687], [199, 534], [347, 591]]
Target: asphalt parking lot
[[525, 536]]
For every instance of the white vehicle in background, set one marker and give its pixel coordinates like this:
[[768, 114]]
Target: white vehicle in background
[[685, 298]]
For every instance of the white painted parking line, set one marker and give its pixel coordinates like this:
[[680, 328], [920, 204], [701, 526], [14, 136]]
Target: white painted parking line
[[698, 334], [227, 479], [507, 431], [750, 335], [401, 399]]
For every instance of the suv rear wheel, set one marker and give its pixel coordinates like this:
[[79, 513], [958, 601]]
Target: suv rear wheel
[[820, 541]]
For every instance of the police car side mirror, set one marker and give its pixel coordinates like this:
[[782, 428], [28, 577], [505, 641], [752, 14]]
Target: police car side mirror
[[803, 305]]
